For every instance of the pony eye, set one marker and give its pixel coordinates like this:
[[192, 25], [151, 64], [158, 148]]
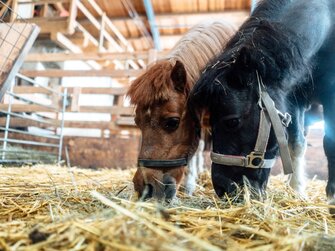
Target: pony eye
[[171, 124], [232, 123]]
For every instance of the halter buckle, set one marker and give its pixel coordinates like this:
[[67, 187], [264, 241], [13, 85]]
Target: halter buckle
[[254, 160]]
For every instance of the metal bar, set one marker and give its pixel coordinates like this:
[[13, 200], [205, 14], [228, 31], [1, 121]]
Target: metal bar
[[137, 21], [31, 81], [29, 142], [29, 133], [4, 145], [30, 101], [62, 127], [25, 117], [29, 152], [19, 60], [152, 21]]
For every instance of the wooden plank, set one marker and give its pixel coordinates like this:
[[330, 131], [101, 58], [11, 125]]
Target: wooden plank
[[40, 2], [60, 57], [26, 108], [101, 35], [75, 99], [58, 73], [84, 90], [86, 109], [64, 42], [18, 122], [30, 90], [87, 34], [5, 7], [70, 22], [96, 7], [108, 109], [14, 8], [123, 121], [96, 23], [97, 124], [105, 90], [190, 19], [50, 25]]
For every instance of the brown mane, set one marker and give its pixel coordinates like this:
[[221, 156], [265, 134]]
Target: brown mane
[[195, 49], [153, 85]]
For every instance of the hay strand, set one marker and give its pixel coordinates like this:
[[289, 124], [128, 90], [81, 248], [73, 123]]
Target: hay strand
[[56, 208]]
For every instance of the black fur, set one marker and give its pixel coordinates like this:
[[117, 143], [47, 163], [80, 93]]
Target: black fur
[[291, 45]]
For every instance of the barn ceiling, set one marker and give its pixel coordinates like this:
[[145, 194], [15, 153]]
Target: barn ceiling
[[172, 17], [128, 27]]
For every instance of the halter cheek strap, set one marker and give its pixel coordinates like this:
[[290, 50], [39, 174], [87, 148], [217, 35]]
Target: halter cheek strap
[[269, 115]]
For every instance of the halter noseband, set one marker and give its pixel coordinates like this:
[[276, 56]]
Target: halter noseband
[[152, 163], [269, 115]]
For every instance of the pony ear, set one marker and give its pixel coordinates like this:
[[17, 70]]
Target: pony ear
[[241, 68], [244, 58], [178, 76]]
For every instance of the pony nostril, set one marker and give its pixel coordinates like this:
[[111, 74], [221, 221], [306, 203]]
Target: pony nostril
[[147, 192], [170, 187]]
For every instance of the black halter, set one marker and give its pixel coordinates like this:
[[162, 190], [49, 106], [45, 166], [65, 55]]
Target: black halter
[[152, 163]]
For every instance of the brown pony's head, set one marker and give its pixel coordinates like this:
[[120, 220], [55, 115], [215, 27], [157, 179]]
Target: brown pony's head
[[169, 135]]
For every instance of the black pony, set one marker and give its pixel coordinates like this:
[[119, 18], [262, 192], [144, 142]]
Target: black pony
[[285, 53]]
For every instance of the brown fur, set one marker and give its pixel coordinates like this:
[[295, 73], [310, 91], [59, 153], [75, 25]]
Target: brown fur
[[194, 50], [153, 86], [158, 96]]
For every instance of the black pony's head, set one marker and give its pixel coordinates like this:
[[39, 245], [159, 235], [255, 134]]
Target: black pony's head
[[229, 90]]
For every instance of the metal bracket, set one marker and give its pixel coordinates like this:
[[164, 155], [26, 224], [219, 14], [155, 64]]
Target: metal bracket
[[286, 118], [254, 160]]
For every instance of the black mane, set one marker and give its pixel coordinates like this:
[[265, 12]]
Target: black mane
[[260, 45]]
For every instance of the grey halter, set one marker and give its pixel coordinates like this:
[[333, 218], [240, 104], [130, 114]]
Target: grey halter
[[269, 115]]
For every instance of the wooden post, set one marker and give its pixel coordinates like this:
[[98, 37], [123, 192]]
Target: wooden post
[[72, 17], [102, 31], [75, 99], [4, 7], [13, 15]]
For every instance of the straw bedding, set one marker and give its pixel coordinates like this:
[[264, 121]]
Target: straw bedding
[[56, 208]]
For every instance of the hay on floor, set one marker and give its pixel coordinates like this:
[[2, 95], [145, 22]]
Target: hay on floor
[[56, 208]]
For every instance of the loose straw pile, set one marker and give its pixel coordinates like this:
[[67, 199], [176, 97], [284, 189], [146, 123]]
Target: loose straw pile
[[56, 208]]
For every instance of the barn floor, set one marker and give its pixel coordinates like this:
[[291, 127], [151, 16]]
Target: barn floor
[[56, 208]]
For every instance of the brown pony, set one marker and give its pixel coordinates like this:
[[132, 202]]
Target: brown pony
[[169, 135]]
